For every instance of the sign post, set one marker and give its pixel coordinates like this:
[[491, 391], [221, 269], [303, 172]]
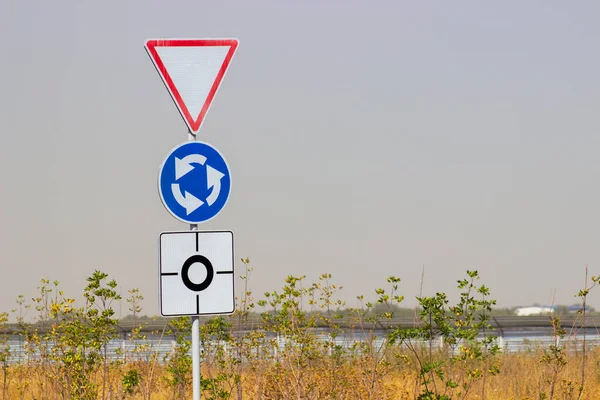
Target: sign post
[[194, 186], [196, 372]]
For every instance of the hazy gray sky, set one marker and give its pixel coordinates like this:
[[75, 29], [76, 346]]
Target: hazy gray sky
[[365, 139]]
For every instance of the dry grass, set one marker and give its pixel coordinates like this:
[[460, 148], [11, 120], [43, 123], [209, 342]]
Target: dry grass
[[522, 377]]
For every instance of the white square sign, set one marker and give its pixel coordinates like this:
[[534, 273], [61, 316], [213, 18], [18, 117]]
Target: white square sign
[[196, 273]]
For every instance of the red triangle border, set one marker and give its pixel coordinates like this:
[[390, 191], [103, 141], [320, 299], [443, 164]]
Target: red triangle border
[[151, 45]]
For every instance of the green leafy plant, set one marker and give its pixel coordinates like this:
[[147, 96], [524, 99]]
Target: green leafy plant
[[553, 359], [465, 356], [583, 295], [81, 336], [131, 382], [370, 352], [179, 361]]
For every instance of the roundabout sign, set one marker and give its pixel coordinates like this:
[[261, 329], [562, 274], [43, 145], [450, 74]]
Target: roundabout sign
[[194, 182]]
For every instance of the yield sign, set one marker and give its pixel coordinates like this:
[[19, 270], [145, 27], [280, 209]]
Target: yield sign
[[192, 70]]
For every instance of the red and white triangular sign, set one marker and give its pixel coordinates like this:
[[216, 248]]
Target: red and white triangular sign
[[192, 70]]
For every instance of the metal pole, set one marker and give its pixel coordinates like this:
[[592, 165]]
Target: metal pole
[[196, 357], [196, 377]]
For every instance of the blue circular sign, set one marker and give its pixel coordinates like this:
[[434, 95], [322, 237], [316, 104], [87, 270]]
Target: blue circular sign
[[194, 182]]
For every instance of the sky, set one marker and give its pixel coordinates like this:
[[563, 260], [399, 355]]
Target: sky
[[365, 139]]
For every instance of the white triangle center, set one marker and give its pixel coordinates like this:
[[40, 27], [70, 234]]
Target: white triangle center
[[193, 70]]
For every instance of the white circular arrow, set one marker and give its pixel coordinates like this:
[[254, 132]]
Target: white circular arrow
[[186, 200], [213, 179], [184, 165]]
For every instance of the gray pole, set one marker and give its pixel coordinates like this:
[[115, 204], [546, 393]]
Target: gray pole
[[196, 357], [195, 335]]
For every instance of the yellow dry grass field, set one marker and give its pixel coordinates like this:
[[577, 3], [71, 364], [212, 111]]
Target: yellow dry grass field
[[522, 376]]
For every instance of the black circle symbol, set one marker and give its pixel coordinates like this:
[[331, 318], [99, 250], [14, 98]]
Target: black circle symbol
[[210, 272]]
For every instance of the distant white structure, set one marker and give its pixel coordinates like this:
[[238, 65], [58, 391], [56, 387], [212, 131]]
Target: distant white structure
[[534, 310]]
